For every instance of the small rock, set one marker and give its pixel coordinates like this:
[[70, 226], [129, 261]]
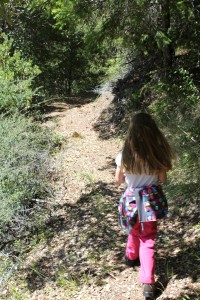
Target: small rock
[[75, 134]]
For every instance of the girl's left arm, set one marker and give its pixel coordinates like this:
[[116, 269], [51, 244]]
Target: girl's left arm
[[119, 176]]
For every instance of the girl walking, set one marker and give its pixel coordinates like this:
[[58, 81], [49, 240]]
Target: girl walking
[[143, 164]]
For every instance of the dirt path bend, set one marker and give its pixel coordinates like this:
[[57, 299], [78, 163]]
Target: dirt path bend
[[86, 158], [81, 254]]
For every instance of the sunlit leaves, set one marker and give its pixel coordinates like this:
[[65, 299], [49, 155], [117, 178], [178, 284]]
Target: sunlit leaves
[[16, 78], [162, 39]]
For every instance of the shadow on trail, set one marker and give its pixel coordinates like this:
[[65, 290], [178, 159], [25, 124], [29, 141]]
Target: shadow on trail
[[88, 245], [113, 121], [59, 105], [176, 269], [86, 240], [178, 242]]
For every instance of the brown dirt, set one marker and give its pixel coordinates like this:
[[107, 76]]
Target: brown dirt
[[86, 158], [82, 258]]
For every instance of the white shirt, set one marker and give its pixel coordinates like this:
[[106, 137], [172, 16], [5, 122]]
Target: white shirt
[[137, 180]]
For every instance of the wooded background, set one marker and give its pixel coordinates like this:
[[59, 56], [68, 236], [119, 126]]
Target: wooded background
[[147, 51]]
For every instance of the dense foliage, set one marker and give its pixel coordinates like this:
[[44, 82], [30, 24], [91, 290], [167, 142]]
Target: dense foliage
[[79, 44], [16, 79], [54, 48], [57, 39]]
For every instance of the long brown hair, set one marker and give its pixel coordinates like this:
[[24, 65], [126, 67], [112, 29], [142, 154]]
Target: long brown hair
[[146, 150]]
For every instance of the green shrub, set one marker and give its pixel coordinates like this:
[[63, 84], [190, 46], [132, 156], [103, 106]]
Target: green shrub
[[176, 104], [16, 78], [25, 151]]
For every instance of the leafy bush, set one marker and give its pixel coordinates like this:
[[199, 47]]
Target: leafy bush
[[16, 78], [24, 164], [176, 104]]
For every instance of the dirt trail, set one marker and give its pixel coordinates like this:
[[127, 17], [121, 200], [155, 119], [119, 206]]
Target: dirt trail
[[85, 240], [85, 157], [88, 161]]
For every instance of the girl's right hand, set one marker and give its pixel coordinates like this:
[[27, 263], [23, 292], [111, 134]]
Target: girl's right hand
[[162, 176], [119, 176]]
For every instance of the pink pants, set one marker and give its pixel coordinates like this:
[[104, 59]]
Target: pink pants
[[141, 244]]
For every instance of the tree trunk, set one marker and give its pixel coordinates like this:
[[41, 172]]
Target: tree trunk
[[168, 50]]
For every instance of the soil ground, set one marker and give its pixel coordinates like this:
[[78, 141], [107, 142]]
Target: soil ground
[[82, 254]]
